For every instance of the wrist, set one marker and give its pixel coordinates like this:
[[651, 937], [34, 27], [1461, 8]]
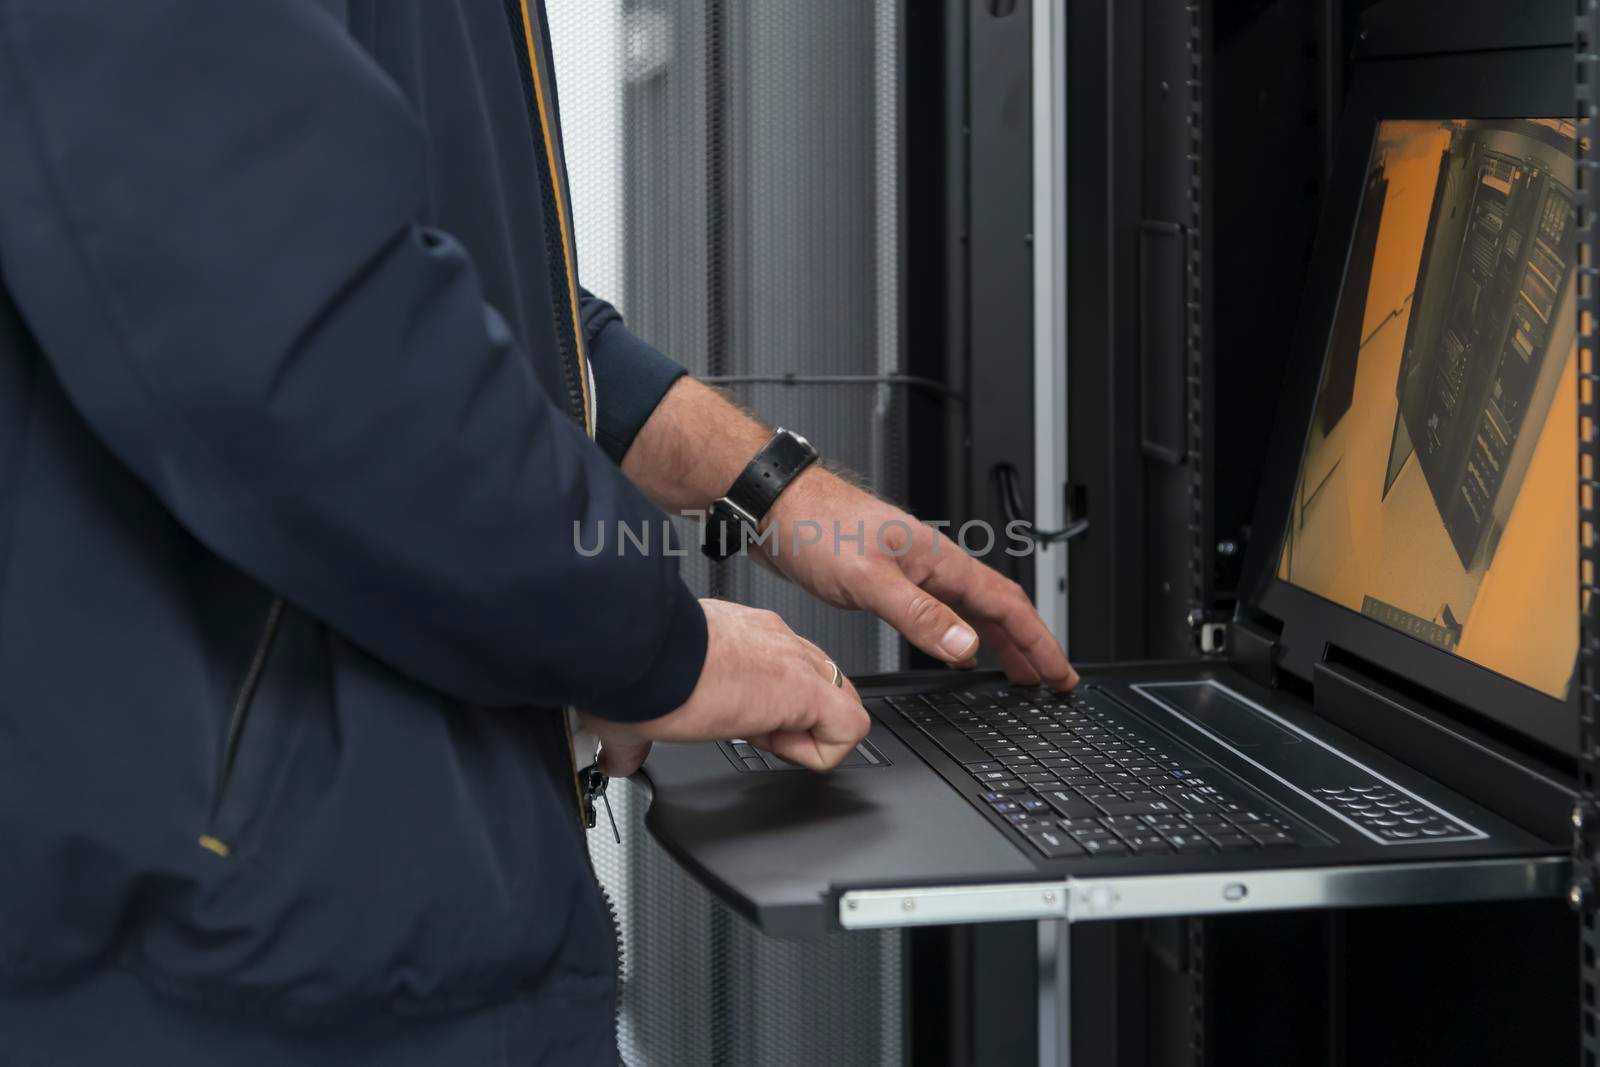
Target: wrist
[[747, 507], [692, 447], [805, 498]]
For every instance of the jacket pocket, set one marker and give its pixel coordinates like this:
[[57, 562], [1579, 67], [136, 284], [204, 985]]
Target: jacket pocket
[[224, 818]]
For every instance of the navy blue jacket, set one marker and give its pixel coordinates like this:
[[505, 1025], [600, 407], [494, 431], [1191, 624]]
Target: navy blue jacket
[[291, 447]]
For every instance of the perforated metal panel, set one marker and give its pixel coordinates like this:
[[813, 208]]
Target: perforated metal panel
[[735, 170]]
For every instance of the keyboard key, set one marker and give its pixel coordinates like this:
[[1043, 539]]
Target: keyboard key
[[1067, 804], [995, 796], [1034, 805], [1080, 836], [1054, 844], [1138, 807], [1190, 843], [1146, 844], [1006, 807], [1102, 846], [1005, 785], [1190, 801], [1232, 842], [1244, 816], [953, 741], [1085, 823]]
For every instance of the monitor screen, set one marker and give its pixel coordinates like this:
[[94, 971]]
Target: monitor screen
[[1437, 488]]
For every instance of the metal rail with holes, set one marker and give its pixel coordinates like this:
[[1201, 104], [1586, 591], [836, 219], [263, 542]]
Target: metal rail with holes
[[1586, 815]]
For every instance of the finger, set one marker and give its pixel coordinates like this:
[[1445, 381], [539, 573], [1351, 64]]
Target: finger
[[838, 723], [988, 597], [803, 750], [925, 620], [840, 680], [1018, 670], [619, 759], [842, 725], [826, 668], [819, 660]]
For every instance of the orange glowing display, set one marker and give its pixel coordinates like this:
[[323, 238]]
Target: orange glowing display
[[1437, 493]]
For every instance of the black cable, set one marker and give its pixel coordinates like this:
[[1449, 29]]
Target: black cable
[[1005, 476]]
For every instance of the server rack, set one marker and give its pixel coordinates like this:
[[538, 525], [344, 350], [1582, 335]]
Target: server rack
[[1164, 992], [1194, 992]]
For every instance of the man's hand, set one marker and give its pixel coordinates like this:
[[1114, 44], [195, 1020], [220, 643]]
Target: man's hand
[[872, 556], [920, 582], [761, 682]]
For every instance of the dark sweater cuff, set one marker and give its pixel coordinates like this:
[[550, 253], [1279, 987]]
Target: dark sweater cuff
[[673, 673], [630, 378]]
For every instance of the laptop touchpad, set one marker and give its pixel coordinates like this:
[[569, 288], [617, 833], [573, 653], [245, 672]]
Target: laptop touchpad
[[1215, 709]]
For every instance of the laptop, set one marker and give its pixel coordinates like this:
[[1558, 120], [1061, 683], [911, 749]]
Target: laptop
[[1396, 720]]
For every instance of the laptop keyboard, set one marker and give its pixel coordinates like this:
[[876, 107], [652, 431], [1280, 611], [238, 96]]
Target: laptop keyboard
[[1076, 774]]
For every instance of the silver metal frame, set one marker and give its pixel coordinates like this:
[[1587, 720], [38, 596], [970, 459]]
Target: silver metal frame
[[1049, 54], [1473, 834], [1154, 896], [1054, 993], [1050, 307]]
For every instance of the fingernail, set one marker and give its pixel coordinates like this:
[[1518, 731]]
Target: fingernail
[[957, 641]]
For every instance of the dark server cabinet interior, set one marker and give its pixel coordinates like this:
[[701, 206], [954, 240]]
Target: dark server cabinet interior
[[1415, 986]]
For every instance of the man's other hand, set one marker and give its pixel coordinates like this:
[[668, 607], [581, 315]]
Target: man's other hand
[[761, 682], [870, 555]]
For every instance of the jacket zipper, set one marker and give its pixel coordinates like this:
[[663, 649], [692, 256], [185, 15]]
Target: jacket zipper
[[575, 373], [527, 34], [242, 703]]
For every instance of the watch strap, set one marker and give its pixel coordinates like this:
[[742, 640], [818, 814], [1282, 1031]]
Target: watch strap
[[767, 475], [753, 493]]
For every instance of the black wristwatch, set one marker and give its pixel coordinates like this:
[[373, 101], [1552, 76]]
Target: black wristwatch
[[738, 515]]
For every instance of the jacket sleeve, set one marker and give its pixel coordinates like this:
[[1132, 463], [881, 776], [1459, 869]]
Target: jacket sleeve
[[631, 376], [208, 218]]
